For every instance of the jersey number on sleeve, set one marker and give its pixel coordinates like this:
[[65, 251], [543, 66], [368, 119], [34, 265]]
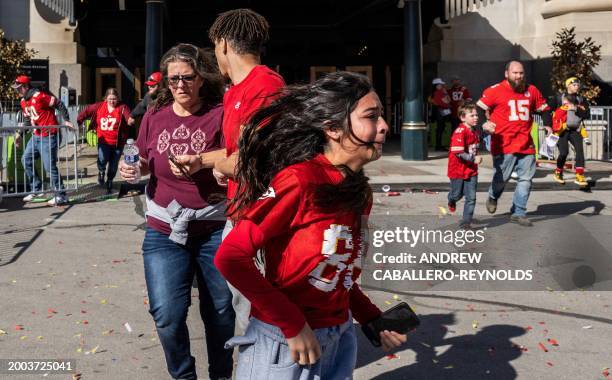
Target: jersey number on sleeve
[[519, 110]]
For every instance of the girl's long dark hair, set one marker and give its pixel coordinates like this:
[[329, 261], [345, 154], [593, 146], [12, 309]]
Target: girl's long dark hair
[[292, 130], [203, 63]]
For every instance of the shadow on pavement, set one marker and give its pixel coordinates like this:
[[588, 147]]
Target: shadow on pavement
[[482, 355]]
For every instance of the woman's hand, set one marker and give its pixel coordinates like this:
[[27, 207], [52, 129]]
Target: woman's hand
[[190, 162], [478, 160], [127, 172], [489, 127], [304, 347], [220, 177], [392, 339]]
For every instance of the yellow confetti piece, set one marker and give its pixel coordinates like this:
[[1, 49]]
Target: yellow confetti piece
[[425, 344], [153, 339], [388, 303], [449, 367], [434, 361], [77, 335], [395, 297], [93, 350], [14, 281], [549, 289], [2, 332], [24, 337], [475, 324], [103, 302], [77, 322], [107, 332], [442, 210], [79, 350], [40, 337]]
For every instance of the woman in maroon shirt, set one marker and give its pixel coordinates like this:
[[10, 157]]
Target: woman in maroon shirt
[[185, 215]]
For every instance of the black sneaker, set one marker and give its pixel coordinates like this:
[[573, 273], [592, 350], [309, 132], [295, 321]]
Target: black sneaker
[[109, 187], [491, 205], [465, 226], [521, 220]]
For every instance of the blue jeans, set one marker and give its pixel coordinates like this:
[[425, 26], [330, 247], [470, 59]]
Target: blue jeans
[[264, 354], [169, 270], [503, 165], [464, 187], [45, 148], [108, 155]]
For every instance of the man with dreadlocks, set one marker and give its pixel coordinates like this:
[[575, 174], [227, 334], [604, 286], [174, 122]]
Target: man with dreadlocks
[[239, 36]]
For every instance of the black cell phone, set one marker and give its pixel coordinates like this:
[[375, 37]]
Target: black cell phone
[[400, 318], [179, 166]]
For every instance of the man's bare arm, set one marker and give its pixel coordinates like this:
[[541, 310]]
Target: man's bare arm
[[208, 159], [227, 165]]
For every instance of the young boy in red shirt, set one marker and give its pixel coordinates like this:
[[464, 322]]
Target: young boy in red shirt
[[463, 160]]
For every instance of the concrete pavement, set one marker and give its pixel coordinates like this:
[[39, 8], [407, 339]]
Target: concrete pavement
[[72, 278]]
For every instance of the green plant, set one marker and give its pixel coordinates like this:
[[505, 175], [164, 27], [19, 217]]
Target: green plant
[[571, 58], [12, 55]]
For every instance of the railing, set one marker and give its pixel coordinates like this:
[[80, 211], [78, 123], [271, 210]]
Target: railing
[[454, 8], [600, 133], [38, 164]]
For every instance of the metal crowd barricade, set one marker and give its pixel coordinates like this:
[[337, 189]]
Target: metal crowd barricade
[[63, 152]]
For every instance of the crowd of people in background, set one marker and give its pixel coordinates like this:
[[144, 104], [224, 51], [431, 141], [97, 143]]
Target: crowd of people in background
[[249, 178]]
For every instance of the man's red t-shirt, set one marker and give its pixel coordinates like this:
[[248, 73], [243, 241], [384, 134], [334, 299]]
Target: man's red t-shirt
[[458, 95], [241, 101], [463, 140], [440, 99], [512, 114], [313, 256], [40, 108]]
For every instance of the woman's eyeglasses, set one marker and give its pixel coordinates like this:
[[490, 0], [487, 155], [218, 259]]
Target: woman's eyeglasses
[[187, 79]]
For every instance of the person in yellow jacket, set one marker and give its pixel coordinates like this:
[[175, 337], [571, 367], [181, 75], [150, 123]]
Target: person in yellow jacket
[[568, 125]]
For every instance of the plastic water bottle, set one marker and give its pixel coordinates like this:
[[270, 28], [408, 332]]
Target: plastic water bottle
[[130, 156]]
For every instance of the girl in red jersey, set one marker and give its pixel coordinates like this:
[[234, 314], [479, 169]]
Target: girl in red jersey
[[301, 197], [110, 120]]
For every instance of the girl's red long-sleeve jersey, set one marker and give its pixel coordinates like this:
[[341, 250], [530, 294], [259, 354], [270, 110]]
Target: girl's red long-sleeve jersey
[[313, 256], [111, 126]]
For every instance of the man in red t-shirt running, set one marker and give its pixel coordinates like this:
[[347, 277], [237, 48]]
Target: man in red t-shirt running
[[239, 36], [511, 105], [38, 109]]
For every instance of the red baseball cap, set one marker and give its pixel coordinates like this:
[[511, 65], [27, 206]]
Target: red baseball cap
[[21, 80], [154, 79]]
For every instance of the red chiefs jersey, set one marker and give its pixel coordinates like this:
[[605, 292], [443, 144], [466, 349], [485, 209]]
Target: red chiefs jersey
[[241, 101], [458, 95], [463, 140], [108, 123], [440, 99], [313, 256], [40, 108], [512, 114]]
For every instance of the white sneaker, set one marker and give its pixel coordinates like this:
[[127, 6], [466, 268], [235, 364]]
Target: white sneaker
[[31, 197], [514, 176], [58, 200]]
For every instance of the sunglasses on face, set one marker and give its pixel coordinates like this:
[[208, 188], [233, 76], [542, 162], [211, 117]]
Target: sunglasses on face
[[187, 79]]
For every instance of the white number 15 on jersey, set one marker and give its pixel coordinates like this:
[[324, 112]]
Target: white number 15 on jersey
[[519, 110]]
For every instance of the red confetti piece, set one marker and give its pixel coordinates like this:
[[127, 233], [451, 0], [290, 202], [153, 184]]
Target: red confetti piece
[[49, 316], [392, 356], [553, 342], [85, 322], [83, 311], [83, 301], [542, 347], [528, 328], [542, 323], [393, 194], [60, 242], [549, 364], [51, 311], [545, 331], [606, 372], [19, 327]]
